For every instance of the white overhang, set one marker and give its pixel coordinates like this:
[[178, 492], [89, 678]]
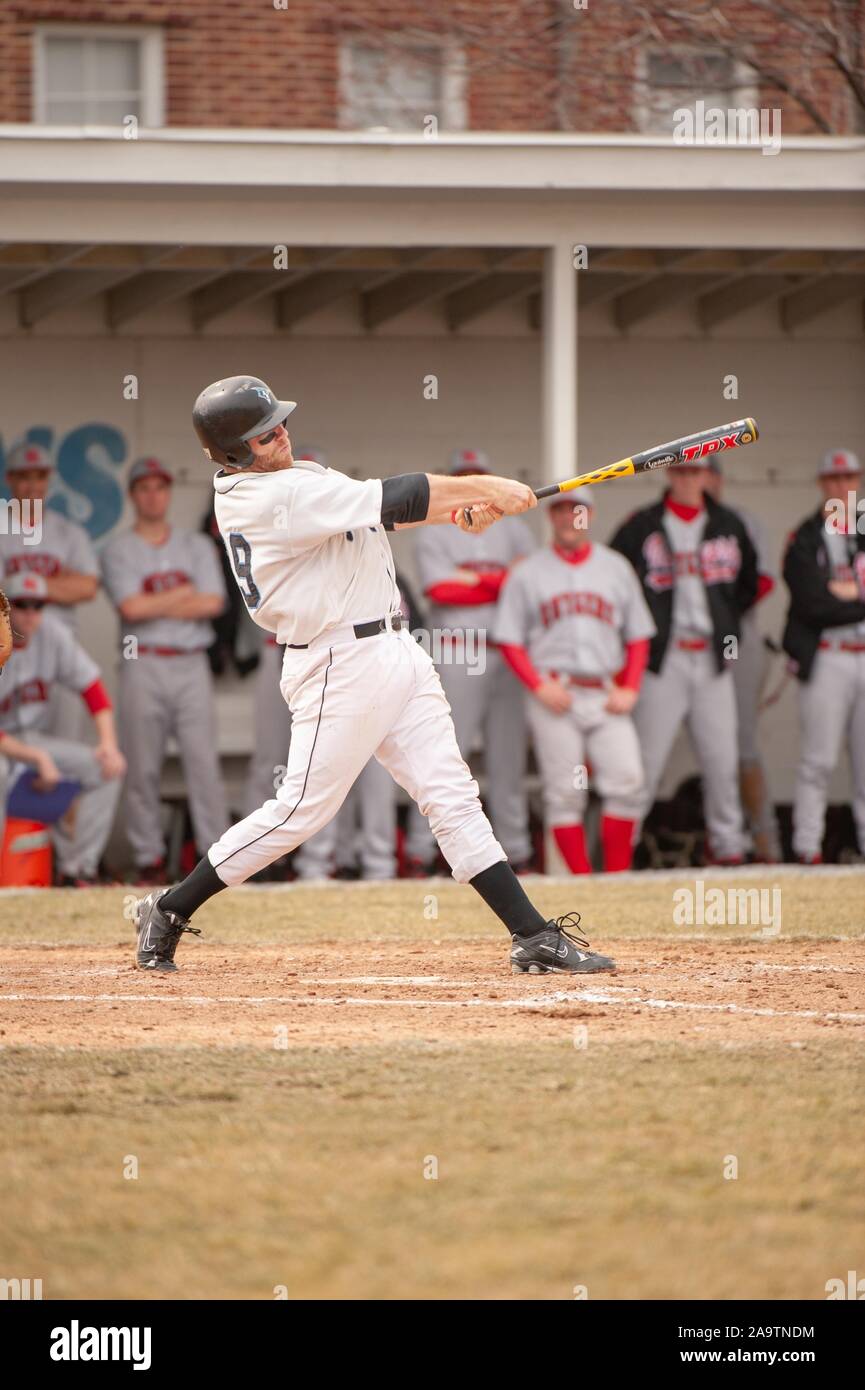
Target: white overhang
[[480, 163]]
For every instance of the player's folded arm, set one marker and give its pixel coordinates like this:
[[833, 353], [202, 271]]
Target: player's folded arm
[[813, 602]]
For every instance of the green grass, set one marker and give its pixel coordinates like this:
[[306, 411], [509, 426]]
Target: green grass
[[556, 1168], [812, 905]]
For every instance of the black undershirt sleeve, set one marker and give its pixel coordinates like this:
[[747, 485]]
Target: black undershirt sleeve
[[404, 498]]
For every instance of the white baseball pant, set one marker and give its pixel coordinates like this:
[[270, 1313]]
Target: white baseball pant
[[351, 699]]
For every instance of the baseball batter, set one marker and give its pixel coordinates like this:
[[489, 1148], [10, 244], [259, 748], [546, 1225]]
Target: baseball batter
[[373, 797], [462, 575], [272, 724], [46, 654], [698, 569], [166, 584], [824, 569], [313, 562], [574, 627]]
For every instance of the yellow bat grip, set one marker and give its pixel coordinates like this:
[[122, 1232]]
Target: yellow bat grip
[[622, 469]]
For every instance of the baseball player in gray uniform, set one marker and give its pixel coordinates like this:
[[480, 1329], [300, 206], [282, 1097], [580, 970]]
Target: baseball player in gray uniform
[[58, 549], [824, 569], [749, 674], [166, 585], [462, 574], [311, 555], [574, 626], [698, 569], [46, 654], [61, 550]]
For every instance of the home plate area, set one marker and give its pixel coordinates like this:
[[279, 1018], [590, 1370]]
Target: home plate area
[[326, 992]]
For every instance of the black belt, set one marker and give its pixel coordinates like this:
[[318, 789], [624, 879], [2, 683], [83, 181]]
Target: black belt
[[371, 629]]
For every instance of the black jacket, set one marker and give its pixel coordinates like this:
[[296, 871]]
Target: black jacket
[[807, 571], [727, 555]]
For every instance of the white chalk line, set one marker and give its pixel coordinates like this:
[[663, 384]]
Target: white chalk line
[[577, 996]]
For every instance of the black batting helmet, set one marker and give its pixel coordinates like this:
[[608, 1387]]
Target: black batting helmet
[[231, 412]]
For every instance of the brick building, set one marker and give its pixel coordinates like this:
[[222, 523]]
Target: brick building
[[497, 65]]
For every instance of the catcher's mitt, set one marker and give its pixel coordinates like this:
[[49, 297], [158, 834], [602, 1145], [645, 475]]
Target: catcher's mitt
[[5, 630]]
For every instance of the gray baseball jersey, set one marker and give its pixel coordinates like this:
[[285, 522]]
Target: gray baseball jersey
[[63, 545], [307, 547], [443, 549], [52, 656], [574, 618], [691, 615], [131, 565]]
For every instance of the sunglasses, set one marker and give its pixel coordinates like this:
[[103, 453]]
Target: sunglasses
[[34, 605], [271, 434]]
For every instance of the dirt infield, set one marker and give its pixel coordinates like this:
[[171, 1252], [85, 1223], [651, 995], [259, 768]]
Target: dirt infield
[[283, 1097], [347, 994]]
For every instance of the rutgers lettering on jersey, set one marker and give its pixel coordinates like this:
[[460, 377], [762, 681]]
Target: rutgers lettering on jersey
[[569, 604], [164, 580], [33, 562], [717, 561], [32, 692]]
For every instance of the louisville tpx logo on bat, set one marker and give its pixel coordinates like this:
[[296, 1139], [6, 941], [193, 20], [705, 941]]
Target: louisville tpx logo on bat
[[713, 446], [678, 451], [663, 462]]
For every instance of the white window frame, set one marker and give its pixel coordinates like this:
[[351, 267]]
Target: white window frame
[[453, 70], [152, 64], [744, 92]]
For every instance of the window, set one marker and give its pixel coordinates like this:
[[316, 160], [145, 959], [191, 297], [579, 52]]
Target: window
[[672, 81], [87, 75], [397, 87]]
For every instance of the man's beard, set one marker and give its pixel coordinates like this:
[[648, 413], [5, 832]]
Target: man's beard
[[279, 460]]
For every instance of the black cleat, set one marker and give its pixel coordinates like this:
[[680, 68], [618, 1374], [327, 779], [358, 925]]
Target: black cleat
[[158, 934], [557, 951]]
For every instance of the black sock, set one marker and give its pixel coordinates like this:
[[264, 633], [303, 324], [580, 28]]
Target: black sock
[[502, 891], [195, 889]]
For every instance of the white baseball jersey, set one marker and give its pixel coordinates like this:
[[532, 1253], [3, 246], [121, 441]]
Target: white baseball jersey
[[574, 619], [132, 565], [691, 616], [52, 655], [307, 547], [63, 545], [443, 549]]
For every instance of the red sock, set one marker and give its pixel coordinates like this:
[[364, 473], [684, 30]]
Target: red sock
[[617, 840], [572, 847]]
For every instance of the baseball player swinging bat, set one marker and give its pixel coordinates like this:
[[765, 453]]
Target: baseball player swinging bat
[[691, 448]]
